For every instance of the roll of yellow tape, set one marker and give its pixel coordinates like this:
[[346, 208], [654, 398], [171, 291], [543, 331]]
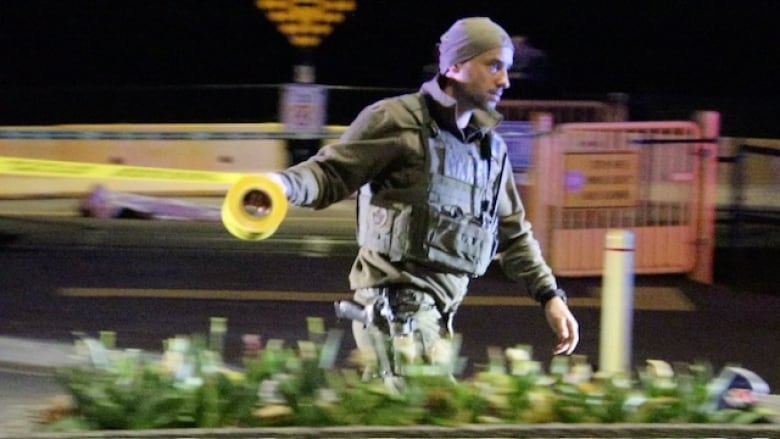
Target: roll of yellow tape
[[238, 216], [242, 219]]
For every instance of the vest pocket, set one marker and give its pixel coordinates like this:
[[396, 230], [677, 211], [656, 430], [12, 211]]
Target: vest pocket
[[457, 244], [440, 240]]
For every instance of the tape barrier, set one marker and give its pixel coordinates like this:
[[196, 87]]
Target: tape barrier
[[242, 221], [56, 168], [164, 135]]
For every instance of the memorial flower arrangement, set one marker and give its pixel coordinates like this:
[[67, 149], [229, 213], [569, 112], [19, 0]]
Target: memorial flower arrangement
[[189, 386]]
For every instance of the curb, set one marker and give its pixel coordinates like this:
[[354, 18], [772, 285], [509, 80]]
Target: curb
[[34, 356], [554, 430]]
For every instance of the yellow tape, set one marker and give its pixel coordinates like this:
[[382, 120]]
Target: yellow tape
[[235, 217], [55, 168], [244, 224]]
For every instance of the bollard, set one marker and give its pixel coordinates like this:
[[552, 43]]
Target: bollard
[[617, 302]]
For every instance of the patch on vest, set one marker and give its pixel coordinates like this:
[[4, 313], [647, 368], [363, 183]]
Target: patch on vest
[[378, 216]]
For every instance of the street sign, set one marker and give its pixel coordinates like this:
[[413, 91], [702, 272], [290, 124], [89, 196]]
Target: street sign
[[303, 107]]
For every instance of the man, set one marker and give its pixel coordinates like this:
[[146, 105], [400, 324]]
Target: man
[[436, 200]]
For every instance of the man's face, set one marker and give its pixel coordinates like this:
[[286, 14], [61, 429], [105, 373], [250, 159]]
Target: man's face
[[480, 81]]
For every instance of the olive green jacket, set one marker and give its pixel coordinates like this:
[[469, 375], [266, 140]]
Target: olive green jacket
[[383, 146]]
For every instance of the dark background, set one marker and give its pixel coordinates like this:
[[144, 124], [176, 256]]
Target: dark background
[[216, 60]]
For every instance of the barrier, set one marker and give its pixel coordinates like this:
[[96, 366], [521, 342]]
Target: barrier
[[654, 178]]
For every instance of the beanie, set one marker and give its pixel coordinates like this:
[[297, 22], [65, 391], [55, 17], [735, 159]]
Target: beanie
[[467, 38]]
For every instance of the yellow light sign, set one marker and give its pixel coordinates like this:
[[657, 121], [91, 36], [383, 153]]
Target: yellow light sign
[[305, 22]]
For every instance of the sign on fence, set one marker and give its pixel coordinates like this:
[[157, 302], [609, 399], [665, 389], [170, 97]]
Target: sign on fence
[[601, 179]]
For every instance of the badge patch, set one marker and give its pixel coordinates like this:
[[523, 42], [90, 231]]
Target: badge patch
[[378, 216]]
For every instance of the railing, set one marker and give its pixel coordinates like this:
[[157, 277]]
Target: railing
[[567, 111], [739, 211]]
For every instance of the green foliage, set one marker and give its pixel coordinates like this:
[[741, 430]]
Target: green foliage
[[281, 386], [144, 400]]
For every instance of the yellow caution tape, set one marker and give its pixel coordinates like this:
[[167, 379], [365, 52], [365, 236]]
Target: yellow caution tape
[[56, 168], [247, 222], [240, 219]]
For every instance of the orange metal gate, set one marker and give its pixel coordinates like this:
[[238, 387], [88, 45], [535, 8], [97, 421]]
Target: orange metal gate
[[654, 178]]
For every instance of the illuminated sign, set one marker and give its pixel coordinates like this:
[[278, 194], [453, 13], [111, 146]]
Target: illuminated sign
[[305, 22], [601, 179]]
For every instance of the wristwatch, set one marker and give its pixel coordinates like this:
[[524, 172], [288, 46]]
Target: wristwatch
[[548, 295]]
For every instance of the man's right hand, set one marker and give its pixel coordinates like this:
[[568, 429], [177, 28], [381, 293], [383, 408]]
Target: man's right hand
[[276, 178]]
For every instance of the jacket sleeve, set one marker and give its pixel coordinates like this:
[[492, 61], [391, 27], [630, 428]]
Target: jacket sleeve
[[372, 144], [520, 254]]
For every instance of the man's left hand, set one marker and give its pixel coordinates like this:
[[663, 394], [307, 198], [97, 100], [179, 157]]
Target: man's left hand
[[564, 325]]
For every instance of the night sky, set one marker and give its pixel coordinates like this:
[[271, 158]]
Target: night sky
[[704, 50]]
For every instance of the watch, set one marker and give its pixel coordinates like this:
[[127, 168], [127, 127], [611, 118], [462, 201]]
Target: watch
[[548, 295]]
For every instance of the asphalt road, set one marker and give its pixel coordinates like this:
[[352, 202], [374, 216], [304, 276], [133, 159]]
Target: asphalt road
[[149, 280]]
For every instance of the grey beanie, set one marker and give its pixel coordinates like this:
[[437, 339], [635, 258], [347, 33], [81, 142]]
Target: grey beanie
[[467, 38]]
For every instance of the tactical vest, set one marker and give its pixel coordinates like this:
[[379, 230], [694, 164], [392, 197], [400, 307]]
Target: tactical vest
[[447, 221]]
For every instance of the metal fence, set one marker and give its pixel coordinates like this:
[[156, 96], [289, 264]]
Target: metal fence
[[567, 111], [650, 177]]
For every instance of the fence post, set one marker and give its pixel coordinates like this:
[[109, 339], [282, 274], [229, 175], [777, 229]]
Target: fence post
[[709, 124], [538, 196], [617, 302]]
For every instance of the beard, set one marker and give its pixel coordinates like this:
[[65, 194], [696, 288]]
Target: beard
[[473, 99]]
